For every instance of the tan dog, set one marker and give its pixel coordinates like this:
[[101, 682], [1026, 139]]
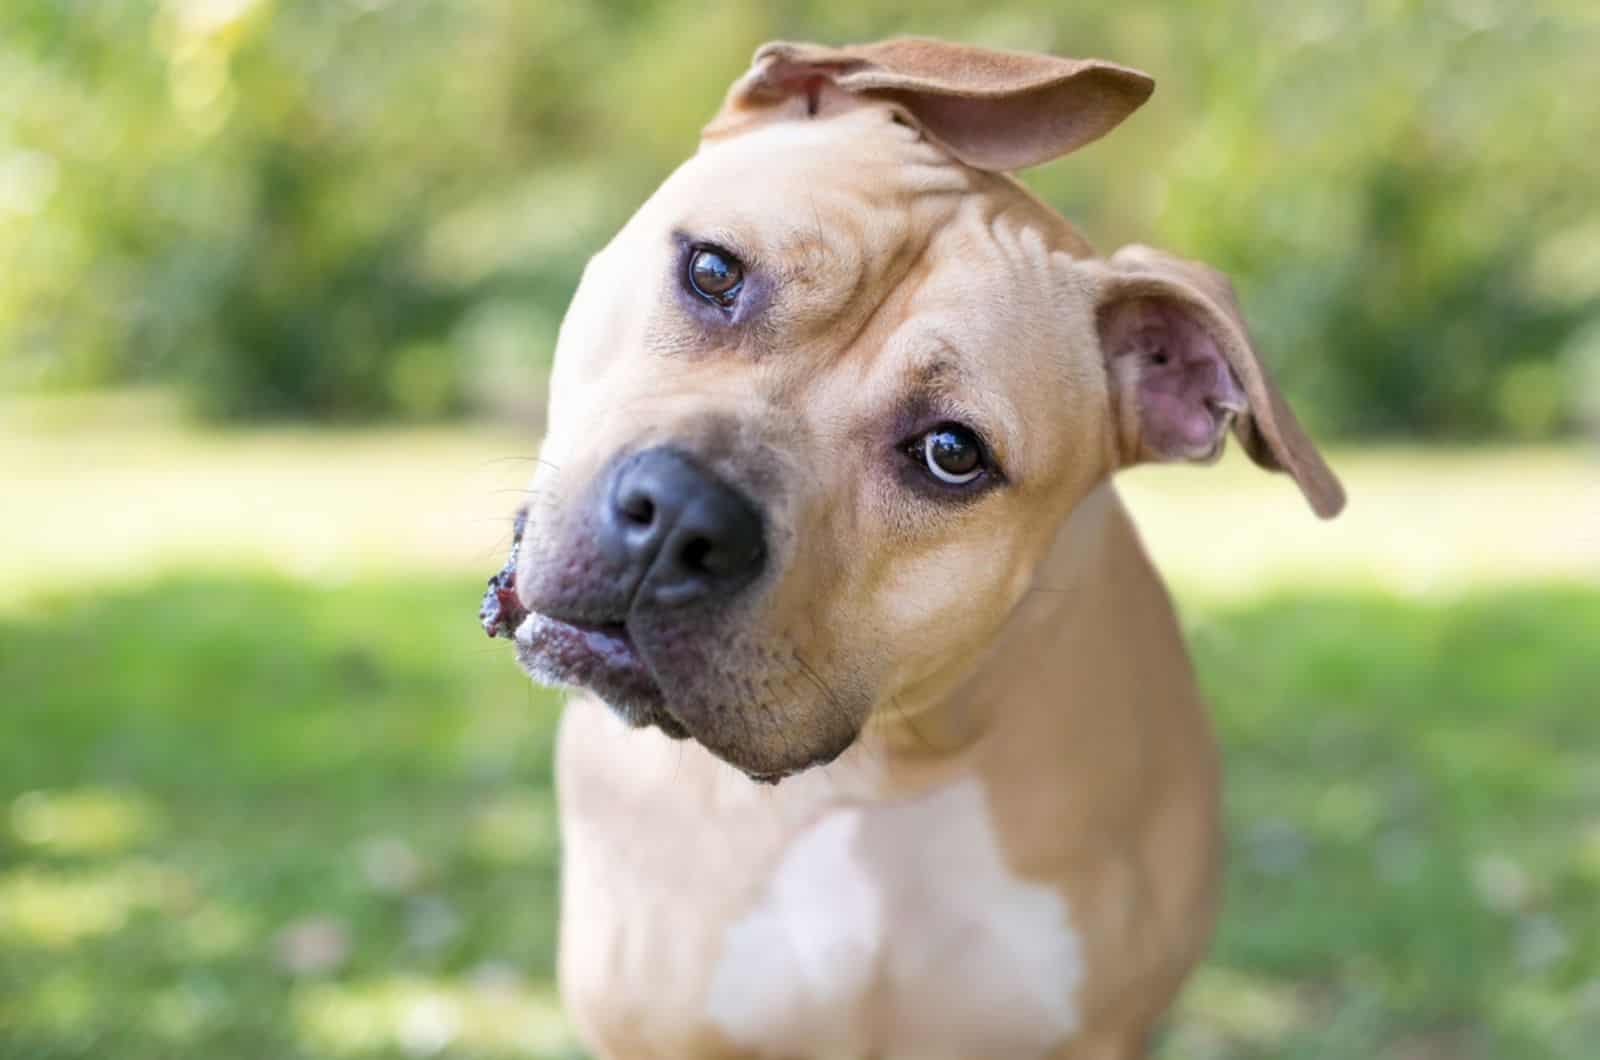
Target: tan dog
[[825, 490]]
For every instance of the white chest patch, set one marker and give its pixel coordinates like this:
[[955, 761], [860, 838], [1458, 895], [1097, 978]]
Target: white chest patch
[[898, 931]]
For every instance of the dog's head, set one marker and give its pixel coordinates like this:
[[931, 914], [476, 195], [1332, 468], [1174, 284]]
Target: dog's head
[[820, 407]]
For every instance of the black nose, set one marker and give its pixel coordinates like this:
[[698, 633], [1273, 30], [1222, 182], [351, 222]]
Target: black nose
[[679, 533]]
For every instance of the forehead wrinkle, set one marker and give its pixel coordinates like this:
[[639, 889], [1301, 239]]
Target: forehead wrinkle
[[938, 369], [840, 235], [816, 272], [941, 378], [887, 228]]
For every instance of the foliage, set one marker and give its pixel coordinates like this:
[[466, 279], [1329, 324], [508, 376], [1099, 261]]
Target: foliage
[[313, 830], [364, 207]]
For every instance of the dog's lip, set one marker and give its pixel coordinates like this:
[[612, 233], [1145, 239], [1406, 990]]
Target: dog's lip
[[609, 643], [602, 657]]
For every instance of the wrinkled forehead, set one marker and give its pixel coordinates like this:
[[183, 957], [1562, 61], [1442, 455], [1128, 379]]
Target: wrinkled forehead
[[854, 176], [983, 333], [882, 273]]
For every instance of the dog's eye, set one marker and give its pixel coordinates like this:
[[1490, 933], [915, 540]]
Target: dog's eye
[[952, 454], [715, 275]]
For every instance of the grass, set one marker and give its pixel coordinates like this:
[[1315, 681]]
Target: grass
[[117, 486], [1414, 816], [266, 791], [252, 817]]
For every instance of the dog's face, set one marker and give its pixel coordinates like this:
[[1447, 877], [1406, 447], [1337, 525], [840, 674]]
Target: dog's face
[[819, 409]]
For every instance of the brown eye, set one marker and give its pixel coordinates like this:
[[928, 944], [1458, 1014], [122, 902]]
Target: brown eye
[[715, 275], [953, 454]]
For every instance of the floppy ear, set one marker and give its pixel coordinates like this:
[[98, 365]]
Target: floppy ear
[[1182, 370], [993, 110]]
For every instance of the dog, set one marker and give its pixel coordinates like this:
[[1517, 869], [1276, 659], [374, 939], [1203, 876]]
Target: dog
[[825, 498]]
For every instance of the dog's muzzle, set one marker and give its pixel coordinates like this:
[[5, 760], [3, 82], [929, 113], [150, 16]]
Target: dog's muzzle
[[633, 599]]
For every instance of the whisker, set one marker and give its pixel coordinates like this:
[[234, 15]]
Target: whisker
[[519, 460], [509, 460], [479, 520], [822, 685]]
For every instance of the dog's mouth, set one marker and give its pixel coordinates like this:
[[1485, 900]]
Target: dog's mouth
[[630, 663], [598, 655], [501, 611]]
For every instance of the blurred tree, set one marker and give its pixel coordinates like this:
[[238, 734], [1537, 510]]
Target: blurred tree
[[373, 207]]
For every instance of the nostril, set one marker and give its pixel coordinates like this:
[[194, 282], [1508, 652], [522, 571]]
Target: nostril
[[638, 508], [695, 555], [675, 533]]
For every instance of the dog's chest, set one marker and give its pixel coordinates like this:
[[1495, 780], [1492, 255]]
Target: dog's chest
[[899, 932]]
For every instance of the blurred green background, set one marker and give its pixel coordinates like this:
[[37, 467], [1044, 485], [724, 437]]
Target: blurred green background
[[370, 207], [278, 288]]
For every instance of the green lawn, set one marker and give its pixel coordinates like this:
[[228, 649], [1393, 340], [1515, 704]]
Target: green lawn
[[252, 817], [266, 791], [216, 784]]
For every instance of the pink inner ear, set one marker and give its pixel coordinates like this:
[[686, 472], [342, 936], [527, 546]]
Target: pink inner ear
[[1184, 392]]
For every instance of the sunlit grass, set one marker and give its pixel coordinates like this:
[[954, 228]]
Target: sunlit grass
[[109, 488], [266, 791], [1412, 799], [321, 824], [113, 487], [83, 821], [494, 1015], [58, 909], [297, 791], [1419, 521]]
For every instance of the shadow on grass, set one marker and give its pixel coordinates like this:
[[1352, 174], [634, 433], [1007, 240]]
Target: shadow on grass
[[247, 817]]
